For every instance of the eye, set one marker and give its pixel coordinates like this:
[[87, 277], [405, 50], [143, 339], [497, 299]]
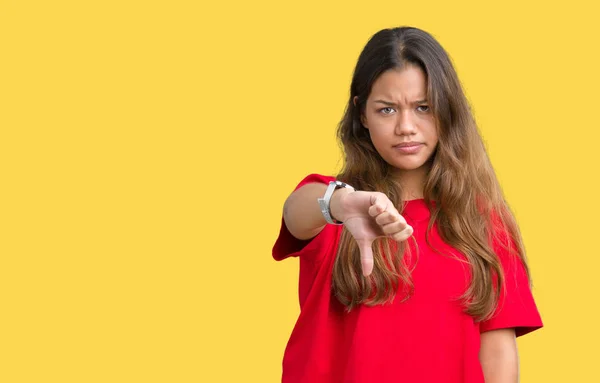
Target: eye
[[386, 110], [423, 108]]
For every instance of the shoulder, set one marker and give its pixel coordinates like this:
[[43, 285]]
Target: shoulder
[[315, 178]]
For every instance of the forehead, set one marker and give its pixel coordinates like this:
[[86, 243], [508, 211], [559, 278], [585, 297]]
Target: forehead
[[401, 85]]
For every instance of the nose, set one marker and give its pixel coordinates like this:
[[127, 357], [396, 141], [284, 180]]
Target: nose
[[405, 124]]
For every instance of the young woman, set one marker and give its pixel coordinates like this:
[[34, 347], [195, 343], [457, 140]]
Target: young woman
[[412, 267]]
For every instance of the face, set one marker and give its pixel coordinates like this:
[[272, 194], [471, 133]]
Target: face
[[399, 119]]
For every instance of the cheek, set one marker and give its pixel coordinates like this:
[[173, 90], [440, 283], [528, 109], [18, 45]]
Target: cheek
[[381, 125], [378, 138], [379, 134], [430, 131]]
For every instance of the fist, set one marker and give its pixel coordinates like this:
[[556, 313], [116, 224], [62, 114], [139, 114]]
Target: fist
[[369, 215]]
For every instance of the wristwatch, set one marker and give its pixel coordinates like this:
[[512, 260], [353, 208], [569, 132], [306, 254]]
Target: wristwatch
[[324, 202]]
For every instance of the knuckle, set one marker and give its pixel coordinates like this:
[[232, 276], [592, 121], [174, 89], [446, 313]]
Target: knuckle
[[398, 237]]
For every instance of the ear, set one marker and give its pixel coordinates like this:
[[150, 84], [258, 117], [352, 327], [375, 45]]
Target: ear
[[363, 120]]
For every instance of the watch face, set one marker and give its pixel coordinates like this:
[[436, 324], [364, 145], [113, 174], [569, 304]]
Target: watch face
[[341, 184]]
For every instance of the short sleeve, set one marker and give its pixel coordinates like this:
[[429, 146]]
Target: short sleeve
[[286, 244], [516, 307]]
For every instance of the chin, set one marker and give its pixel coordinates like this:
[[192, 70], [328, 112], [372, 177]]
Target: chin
[[408, 166]]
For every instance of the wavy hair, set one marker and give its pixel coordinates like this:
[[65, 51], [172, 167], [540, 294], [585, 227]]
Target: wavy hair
[[469, 210]]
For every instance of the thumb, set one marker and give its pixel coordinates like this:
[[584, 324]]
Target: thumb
[[366, 257]]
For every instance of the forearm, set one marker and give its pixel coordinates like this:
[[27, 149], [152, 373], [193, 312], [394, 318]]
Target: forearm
[[301, 211], [499, 357]]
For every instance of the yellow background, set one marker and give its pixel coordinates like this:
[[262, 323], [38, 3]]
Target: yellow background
[[147, 148]]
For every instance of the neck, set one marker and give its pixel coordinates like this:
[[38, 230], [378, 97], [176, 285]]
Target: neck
[[412, 182]]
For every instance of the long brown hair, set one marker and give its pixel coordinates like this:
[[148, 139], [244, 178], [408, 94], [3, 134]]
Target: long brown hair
[[469, 202]]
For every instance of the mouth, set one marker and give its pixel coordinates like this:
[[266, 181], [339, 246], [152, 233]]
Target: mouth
[[408, 147], [407, 144]]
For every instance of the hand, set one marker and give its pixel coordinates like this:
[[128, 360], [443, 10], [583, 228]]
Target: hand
[[367, 216]]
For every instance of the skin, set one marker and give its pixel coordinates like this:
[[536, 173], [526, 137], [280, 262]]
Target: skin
[[397, 112], [499, 356]]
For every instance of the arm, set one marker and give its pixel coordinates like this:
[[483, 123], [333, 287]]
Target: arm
[[499, 357], [301, 211], [366, 215]]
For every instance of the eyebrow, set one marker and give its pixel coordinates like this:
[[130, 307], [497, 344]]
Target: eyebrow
[[393, 104]]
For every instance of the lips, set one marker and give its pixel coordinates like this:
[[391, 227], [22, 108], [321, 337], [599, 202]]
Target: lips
[[407, 144], [408, 147]]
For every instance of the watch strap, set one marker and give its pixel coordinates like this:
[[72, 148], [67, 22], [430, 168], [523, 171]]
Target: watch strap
[[326, 199]]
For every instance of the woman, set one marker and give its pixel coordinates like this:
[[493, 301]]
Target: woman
[[412, 267]]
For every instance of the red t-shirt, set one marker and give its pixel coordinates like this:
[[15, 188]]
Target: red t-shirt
[[427, 338]]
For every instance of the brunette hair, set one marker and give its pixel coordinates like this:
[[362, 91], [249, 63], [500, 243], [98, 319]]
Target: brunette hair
[[469, 209]]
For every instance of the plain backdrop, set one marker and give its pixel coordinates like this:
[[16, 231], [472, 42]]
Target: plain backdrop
[[147, 148]]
